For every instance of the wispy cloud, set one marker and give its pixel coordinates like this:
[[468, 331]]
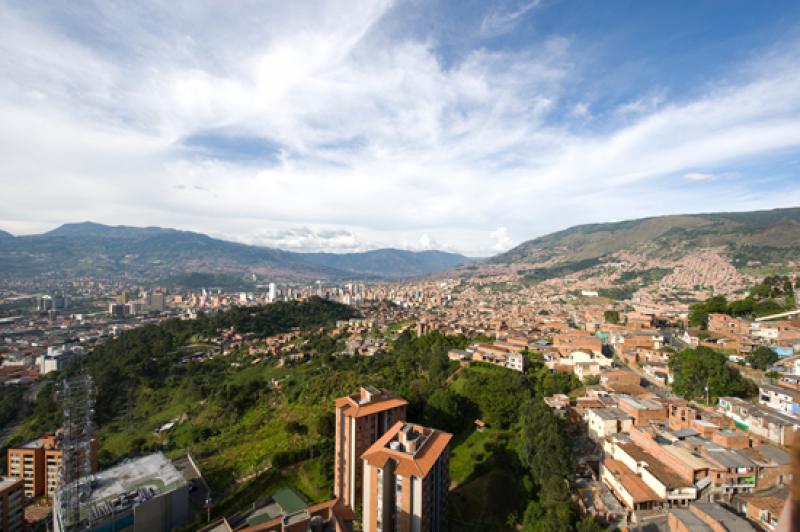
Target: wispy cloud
[[504, 18], [697, 176], [308, 119]]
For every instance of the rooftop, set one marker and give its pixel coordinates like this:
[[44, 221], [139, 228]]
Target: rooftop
[[610, 414], [415, 448], [688, 519], [369, 400], [731, 522], [129, 483]]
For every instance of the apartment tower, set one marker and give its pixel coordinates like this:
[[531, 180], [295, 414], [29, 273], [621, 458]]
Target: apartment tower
[[360, 420], [38, 464], [406, 478], [12, 503]]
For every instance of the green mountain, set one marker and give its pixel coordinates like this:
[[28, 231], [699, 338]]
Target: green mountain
[[154, 253], [765, 236], [397, 261]]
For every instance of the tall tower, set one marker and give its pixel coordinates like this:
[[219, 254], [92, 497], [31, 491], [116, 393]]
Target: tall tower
[[360, 420], [76, 465], [406, 479]]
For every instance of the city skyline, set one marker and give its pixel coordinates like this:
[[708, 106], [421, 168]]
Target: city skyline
[[462, 127]]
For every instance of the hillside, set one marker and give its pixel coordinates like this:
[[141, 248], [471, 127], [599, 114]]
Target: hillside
[[766, 236], [397, 261], [155, 253], [257, 422]]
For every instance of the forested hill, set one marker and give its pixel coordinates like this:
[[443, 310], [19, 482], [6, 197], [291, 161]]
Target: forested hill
[[767, 236], [155, 253], [148, 357]]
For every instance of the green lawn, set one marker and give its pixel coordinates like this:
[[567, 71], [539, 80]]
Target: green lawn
[[468, 450]]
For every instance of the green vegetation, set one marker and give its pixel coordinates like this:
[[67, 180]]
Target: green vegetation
[[765, 236], [257, 427], [762, 358], [645, 277], [697, 369], [536, 275], [611, 316], [773, 295], [618, 293]]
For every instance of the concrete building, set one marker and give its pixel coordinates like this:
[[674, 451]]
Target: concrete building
[[38, 464], [12, 505], [780, 398], [406, 479], [145, 494], [360, 420], [602, 422]]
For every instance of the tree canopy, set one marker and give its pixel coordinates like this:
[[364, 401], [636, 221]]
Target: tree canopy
[[696, 369]]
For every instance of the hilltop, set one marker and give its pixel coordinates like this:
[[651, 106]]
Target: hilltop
[[155, 253], [769, 235], [687, 255]]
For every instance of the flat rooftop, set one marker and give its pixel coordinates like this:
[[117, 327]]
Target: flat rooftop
[[688, 519], [129, 483]]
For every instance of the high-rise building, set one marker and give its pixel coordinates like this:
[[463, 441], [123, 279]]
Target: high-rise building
[[11, 505], [406, 478], [273, 292], [38, 464], [360, 420], [157, 301]]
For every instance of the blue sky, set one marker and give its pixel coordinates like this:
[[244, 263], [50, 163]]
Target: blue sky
[[340, 126]]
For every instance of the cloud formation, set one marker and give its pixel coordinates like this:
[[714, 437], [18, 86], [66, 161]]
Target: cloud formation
[[321, 126], [697, 176]]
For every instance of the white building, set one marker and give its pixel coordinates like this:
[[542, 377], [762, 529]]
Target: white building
[[272, 296]]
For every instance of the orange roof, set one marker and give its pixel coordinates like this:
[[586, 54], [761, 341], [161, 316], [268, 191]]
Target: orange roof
[[377, 405], [418, 464]]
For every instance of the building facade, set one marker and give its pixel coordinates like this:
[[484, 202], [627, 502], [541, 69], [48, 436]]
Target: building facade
[[12, 503], [360, 420], [406, 479], [38, 464]]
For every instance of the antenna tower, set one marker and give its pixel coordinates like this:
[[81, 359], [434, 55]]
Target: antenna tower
[[78, 395]]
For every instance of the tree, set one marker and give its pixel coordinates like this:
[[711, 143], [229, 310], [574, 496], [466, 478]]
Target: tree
[[553, 511], [762, 358], [611, 316], [694, 369], [589, 524], [698, 314], [445, 410], [543, 448], [496, 393]]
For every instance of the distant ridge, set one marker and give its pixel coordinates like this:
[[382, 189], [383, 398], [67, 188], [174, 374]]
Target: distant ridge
[[5, 234], [152, 253], [769, 235]]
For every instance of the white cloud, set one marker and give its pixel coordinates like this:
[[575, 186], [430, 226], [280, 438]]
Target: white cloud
[[372, 136], [501, 20], [307, 239], [697, 176], [502, 241]]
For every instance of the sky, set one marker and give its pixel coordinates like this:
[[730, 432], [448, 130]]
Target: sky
[[467, 126]]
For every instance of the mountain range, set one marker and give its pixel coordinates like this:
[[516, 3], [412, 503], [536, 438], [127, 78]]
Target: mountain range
[[153, 253], [764, 236]]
